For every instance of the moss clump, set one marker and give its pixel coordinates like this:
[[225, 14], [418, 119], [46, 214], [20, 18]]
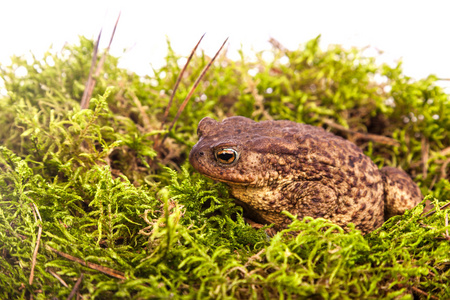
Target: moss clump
[[91, 195]]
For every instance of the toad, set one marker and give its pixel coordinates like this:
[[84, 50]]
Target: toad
[[272, 166]]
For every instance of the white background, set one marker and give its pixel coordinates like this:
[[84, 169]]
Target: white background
[[415, 31]]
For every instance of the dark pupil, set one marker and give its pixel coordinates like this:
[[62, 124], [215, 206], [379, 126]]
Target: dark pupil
[[226, 156]]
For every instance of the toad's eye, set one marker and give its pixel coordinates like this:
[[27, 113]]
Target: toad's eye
[[226, 156]]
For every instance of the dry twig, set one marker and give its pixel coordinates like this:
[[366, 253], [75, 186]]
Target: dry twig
[[104, 270], [419, 291]]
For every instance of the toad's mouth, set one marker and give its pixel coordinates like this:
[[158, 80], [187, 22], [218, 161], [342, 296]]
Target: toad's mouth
[[231, 180]]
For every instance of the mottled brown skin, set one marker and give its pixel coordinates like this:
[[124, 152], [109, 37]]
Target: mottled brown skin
[[283, 165]]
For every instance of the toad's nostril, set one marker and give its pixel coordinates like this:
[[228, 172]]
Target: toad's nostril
[[201, 153]]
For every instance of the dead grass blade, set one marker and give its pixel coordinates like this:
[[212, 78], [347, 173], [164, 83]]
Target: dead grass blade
[[90, 84], [177, 83], [84, 100], [188, 97], [38, 240], [104, 270], [102, 60]]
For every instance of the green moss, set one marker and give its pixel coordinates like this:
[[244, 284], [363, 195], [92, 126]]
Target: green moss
[[104, 191]]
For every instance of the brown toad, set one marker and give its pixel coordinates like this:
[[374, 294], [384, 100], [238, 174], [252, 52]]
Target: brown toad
[[271, 166]]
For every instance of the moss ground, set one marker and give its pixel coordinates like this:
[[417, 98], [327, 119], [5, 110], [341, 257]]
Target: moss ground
[[92, 205]]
